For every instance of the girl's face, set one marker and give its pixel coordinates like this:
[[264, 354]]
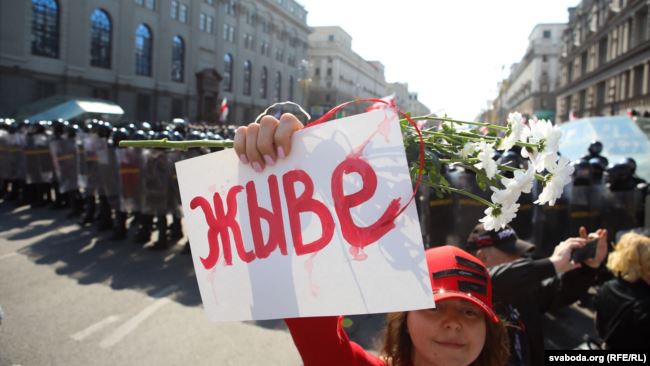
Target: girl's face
[[452, 334]]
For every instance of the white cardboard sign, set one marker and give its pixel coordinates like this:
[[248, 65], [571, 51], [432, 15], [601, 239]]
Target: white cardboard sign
[[315, 234]]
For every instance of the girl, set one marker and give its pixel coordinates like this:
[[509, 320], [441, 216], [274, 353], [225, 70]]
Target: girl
[[462, 329]]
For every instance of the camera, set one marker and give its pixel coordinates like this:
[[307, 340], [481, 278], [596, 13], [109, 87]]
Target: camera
[[586, 252]]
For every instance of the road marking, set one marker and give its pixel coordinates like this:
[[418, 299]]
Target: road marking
[[81, 335], [131, 324], [8, 255]]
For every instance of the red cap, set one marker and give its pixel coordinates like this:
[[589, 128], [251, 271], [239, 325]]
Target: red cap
[[458, 274]]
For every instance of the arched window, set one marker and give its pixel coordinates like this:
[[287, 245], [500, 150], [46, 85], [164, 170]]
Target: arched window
[[248, 70], [45, 28], [178, 59], [100, 39], [278, 86], [143, 50], [264, 82], [291, 88], [227, 72]]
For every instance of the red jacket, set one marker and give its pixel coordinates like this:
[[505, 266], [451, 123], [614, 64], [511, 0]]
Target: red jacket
[[323, 341]]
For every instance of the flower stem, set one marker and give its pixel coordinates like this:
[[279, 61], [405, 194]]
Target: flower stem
[[482, 124], [539, 177], [178, 145], [467, 194]]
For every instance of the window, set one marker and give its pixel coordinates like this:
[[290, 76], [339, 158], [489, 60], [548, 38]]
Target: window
[[264, 82], [317, 71], [248, 41], [544, 58], [583, 63], [101, 93], [330, 38], [100, 39], [182, 16], [210, 2], [230, 7], [279, 55], [143, 48], [227, 72], [602, 51], [210, 24], [638, 81], [150, 4], [178, 59], [600, 94], [173, 11], [139, 2], [202, 22], [248, 70], [547, 34], [229, 33], [265, 49], [250, 18], [329, 71], [45, 28], [291, 87], [278, 86]]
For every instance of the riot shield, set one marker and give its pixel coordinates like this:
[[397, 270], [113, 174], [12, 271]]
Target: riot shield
[[550, 223], [38, 163], [91, 146], [620, 210], [64, 161], [17, 161], [109, 175], [155, 182], [130, 161], [5, 155], [585, 207], [467, 211], [523, 222], [174, 194]]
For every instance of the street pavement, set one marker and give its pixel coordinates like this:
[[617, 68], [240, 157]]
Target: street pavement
[[71, 296]]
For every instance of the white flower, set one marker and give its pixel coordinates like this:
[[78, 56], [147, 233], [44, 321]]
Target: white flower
[[518, 131], [496, 219], [504, 196], [486, 151], [545, 133], [561, 172], [467, 150], [522, 181]]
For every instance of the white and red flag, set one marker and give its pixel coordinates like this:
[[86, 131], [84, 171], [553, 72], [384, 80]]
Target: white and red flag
[[223, 110]]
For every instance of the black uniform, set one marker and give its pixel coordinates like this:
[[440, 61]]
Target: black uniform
[[523, 290], [623, 314]]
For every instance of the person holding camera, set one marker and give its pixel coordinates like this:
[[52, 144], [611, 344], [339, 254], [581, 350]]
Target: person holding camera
[[524, 289]]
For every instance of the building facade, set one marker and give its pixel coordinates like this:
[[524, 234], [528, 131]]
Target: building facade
[[406, 100], [531, 84], [158, 59], [338, 74], [605, 59]]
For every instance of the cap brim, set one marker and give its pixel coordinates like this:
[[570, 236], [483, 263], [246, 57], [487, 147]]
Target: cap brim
[[460, 295], [524, 247]]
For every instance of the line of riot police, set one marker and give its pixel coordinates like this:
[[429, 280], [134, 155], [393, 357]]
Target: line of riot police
[[600, 196], [80, 166]]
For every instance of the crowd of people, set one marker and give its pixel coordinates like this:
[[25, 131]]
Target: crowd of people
[[490, 293], [78, 165]]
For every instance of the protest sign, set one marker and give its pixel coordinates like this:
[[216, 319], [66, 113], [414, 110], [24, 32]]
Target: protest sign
[[315, 234]]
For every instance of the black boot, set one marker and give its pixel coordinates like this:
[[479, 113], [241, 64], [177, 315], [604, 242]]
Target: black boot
[[104, 218], [175, 229], [143, 234], [161, 224], [89, 211], [119, 226], [76, 203]]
